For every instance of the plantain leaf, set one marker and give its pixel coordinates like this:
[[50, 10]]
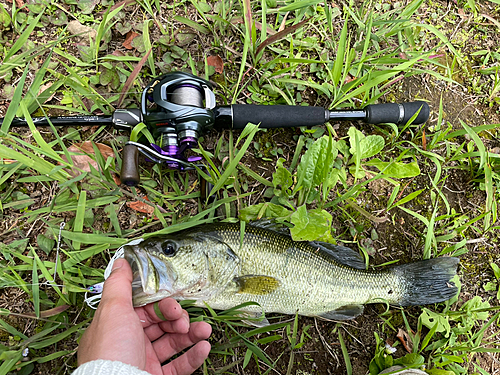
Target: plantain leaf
[[365, 146], [310, 225], [316, 164], [396, 169]]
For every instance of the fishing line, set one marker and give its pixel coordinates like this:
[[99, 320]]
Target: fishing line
[[61, 227], [48, 282], [96, 289]]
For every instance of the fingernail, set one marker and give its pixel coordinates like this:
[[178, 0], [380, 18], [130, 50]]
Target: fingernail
[[118, 263]]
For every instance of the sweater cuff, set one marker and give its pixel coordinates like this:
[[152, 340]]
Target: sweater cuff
[[105, 367]]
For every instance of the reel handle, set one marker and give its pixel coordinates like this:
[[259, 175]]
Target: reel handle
[[129, 174]]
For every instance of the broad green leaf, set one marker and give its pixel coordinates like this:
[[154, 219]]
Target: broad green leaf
[[431, 319], [44, 243], [364, 146], [395, 169], [310, 225], [496, 270], [410, 359], [437, 371], [282, 179], [261, 210], [316, 164]]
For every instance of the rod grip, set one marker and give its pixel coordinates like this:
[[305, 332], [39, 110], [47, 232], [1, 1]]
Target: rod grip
[[395, 113], [129, 174], [277, 116]]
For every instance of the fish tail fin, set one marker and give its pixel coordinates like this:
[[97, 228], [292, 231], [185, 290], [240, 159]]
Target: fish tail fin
[[428, 281]]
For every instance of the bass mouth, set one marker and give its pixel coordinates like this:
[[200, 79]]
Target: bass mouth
[[141, 272]]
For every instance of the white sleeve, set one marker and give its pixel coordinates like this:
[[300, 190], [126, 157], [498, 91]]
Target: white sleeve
[[105, 367]]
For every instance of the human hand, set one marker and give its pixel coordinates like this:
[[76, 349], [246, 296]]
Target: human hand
[[138, 336]]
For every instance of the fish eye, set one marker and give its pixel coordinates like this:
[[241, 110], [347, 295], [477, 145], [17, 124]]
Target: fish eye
[[168, 248]]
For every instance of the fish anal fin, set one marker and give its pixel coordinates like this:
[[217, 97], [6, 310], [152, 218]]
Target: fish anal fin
[[346, 312], [256, 284]]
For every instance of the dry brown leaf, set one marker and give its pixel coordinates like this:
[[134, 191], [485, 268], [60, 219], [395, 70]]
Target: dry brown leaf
[[20, 5], [405, 340], [50, 312], [216, 62], [118, 53], [83, 161], [128, 40], [141, 207], [81, 31]]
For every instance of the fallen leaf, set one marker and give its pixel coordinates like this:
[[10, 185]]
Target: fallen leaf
[[46, 87], [216, 62], [140, 206], [116, 179], [81, 158], [82, 31], [128, 40], [51, 312], [118, 53], [405, 340]]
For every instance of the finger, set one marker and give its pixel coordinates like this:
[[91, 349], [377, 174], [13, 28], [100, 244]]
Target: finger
[[189, 361], [169, 308], [118, 286], [171, 344], [180, 325]]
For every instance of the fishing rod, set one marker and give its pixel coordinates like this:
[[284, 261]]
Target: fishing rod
[[178, 108]]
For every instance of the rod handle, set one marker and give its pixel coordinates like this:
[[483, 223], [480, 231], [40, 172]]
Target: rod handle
[[277, 116], [398, 114], [129, 174]]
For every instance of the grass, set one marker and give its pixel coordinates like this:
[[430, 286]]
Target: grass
[[339, 183]]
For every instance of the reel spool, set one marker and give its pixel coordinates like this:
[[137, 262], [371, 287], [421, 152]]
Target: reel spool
[[182, 111]]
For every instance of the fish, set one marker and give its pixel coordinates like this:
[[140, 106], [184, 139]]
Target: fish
[[216, 264]]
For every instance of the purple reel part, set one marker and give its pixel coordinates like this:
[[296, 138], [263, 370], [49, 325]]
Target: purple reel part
[[176, 153], [188, 142]]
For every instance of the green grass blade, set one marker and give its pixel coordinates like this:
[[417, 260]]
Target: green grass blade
[[80, 217], [21, 41], [14, 103], [234, 163], [345, 353], [35, 288]]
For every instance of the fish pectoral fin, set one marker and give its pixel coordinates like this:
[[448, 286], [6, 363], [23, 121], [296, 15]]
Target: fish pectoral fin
[[346, 312], [256, 284]]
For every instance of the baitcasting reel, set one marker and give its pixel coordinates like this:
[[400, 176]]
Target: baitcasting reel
[[178, 108]]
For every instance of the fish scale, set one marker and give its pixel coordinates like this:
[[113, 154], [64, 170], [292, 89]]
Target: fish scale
[[211, 264], [309, 283]]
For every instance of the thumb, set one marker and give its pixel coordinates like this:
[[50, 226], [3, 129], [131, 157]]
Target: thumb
[[118, 286]]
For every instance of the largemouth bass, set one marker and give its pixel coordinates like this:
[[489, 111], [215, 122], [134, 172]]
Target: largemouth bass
[[214, 264]]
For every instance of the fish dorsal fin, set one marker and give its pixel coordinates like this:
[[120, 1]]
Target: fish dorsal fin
[[341, 254], [346, 312], [256, 284]]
